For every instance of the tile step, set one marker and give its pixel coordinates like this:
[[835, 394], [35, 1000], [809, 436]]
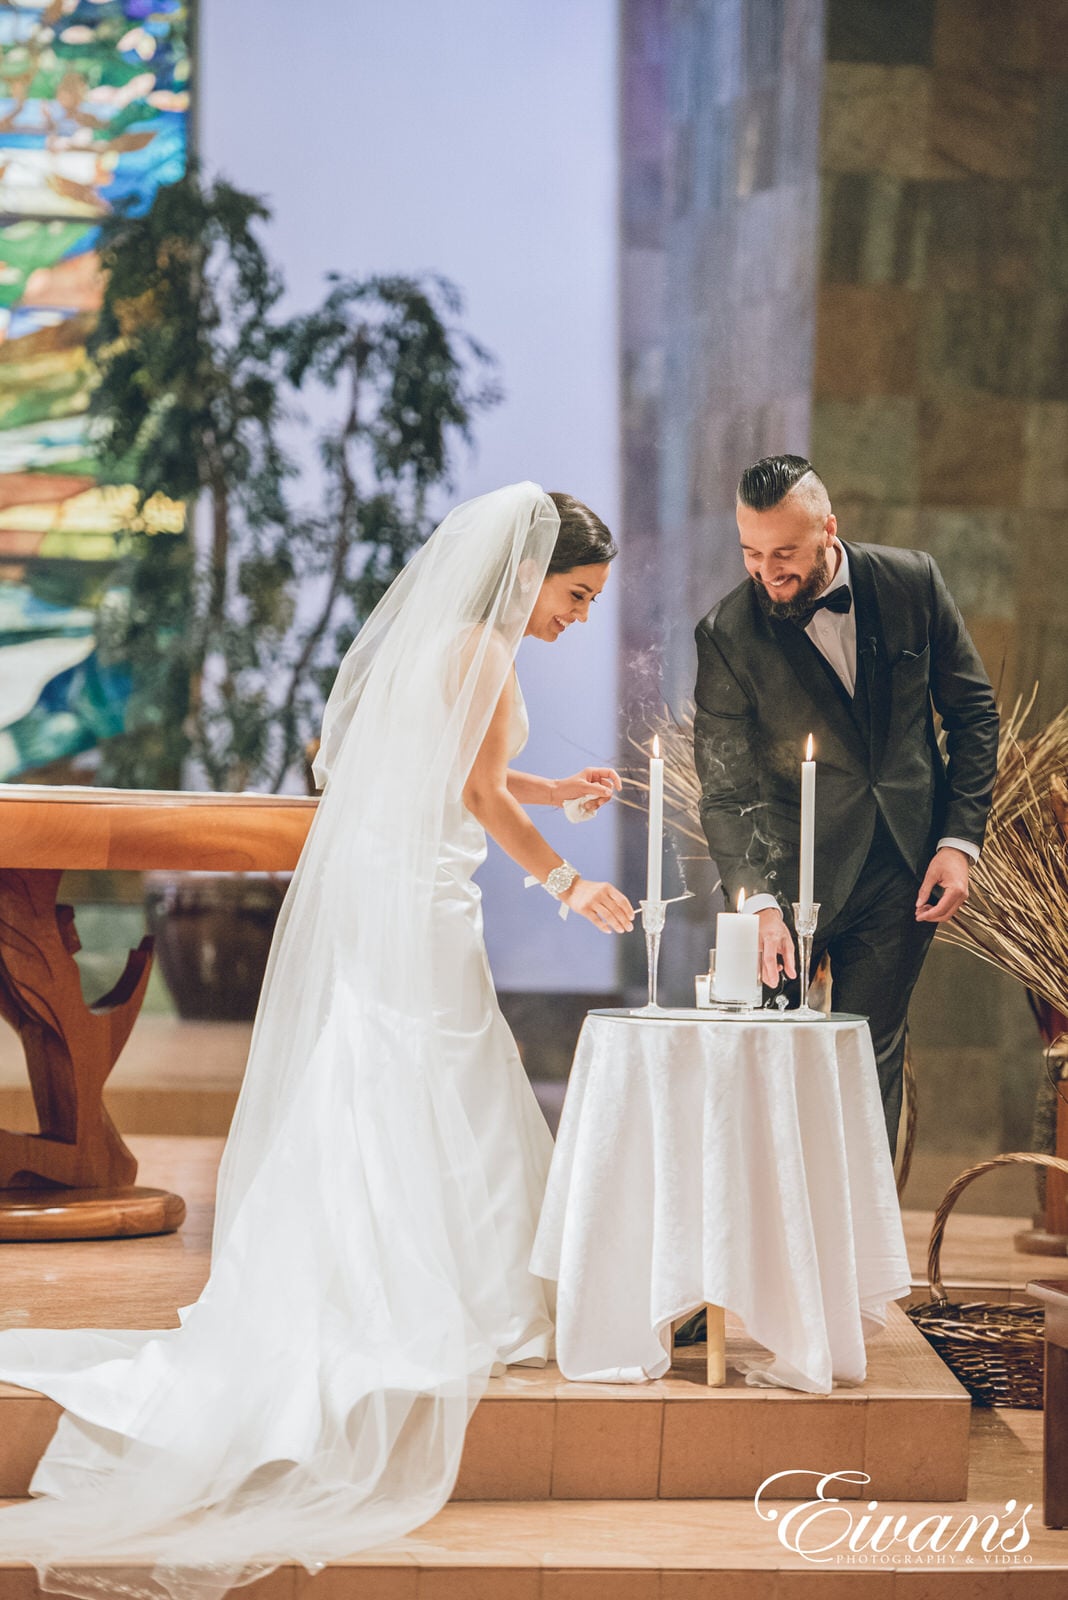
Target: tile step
[[537, 1437], [658, 1551]]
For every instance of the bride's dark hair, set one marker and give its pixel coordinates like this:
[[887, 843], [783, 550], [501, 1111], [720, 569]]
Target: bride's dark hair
[[583, 540]]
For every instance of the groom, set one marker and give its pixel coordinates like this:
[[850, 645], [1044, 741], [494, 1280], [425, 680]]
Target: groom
[[855, 644]]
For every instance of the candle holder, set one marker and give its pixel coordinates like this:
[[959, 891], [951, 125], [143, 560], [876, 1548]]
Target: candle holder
[[654, 916], [805, 920]]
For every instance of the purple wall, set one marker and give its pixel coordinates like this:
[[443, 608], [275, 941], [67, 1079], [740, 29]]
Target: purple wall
[[477, 140]]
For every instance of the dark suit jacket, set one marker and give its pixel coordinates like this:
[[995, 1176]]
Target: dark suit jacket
[[762, 687]]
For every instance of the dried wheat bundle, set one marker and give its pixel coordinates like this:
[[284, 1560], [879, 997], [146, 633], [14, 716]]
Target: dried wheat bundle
[[682, 791], [1017, 915]]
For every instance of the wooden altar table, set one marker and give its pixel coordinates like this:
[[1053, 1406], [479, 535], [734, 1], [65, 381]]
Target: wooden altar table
[[74, 1178]]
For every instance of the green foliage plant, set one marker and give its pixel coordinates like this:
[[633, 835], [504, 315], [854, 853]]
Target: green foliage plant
[[232, 632]]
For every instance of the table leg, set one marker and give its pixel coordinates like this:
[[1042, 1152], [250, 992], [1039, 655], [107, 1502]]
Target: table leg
[[716, 1347], [1055, 1438], [72, 1179]]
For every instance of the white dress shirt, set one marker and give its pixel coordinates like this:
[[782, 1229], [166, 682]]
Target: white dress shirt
[[834, 633]]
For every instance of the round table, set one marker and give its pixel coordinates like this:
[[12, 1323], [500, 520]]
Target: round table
[[738, 1163]]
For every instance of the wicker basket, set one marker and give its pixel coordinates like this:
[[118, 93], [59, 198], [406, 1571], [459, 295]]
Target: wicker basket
[[995, 1348]]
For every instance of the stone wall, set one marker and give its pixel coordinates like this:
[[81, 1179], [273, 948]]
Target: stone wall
[[940, 413], [941, 384]]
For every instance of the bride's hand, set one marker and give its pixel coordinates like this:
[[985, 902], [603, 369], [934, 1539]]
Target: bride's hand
[[602, 904], [594, 785]]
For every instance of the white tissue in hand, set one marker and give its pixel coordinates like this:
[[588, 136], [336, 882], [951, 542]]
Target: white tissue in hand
[[581, 810]]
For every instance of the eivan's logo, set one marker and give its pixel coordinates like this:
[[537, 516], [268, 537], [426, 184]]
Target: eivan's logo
[[826, 1529]]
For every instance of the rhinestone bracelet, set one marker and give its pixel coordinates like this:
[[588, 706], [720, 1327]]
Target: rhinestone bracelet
[[561, 878]]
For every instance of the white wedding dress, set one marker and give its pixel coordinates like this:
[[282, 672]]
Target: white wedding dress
[[514, 1141], [380, 1187]]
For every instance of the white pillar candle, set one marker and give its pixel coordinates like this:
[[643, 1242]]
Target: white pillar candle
[[653, 880], [737, 976], [808, 826]]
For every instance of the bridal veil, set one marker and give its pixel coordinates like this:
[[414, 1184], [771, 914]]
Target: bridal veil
[[314, 1400]]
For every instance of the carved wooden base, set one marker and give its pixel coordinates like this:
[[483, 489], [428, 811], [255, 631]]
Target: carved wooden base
[[73, 1178], [88, 1213], [1040, 1242]]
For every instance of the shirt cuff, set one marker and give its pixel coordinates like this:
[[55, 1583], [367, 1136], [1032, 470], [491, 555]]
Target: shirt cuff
[[760, 902], [971, 850]]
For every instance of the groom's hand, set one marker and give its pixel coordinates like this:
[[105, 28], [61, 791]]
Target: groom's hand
[[776, 943], [948, 872]]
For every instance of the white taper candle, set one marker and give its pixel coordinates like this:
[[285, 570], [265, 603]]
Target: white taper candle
[[653, 878], [808, 826]]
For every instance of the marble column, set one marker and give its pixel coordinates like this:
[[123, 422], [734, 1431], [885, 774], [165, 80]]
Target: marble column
[[720, 224]]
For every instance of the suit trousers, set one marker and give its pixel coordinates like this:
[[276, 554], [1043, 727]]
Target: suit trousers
[[877, 949]]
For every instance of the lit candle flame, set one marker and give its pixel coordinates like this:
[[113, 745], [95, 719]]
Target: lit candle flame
[[741, 899], [808, 749], [656, 747]]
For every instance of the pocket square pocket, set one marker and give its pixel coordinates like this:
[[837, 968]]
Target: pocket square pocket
[[908, 658]]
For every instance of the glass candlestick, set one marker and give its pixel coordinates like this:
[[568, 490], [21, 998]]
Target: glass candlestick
[[654, 916], [805, 920]]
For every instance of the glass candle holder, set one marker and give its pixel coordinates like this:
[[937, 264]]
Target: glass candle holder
[[654, 916], [805, 919]]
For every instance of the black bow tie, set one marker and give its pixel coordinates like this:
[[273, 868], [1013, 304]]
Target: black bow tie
[[840, 600]]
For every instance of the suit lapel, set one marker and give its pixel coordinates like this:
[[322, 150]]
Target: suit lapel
[[873, 667], [822, 685]]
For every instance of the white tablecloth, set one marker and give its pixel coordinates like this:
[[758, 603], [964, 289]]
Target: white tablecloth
[[743, 1164]]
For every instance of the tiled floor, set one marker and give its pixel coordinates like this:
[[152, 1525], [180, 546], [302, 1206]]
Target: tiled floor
[[977, 1250], [535, 1435], [593, 1549]]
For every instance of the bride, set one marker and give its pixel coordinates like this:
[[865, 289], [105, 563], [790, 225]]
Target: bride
[[379, 1191]]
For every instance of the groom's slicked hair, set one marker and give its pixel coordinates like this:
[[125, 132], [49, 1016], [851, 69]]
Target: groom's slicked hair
[[769, 480]]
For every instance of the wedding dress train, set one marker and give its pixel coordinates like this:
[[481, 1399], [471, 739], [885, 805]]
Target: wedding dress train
[[379, 1191]]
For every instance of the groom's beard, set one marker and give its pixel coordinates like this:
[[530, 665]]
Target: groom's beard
[[787, 610]]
